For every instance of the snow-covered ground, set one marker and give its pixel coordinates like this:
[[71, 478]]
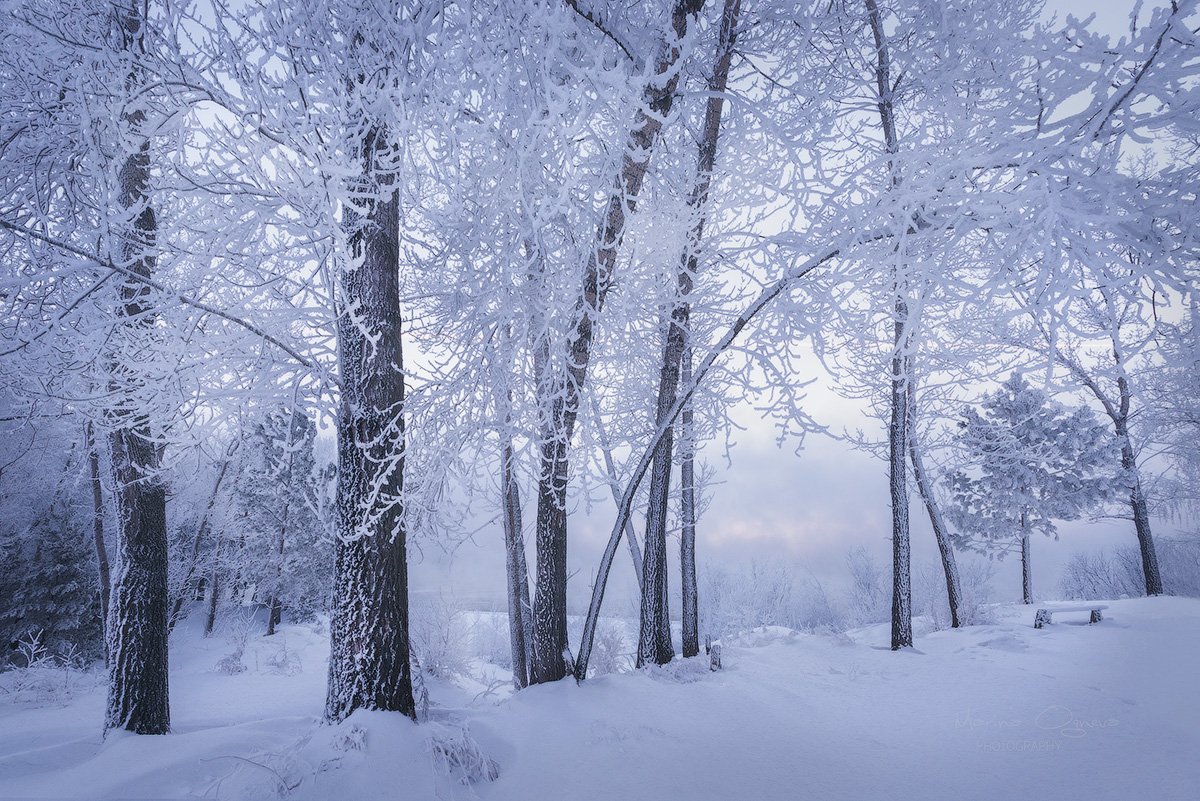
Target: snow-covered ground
[[1003, 711]]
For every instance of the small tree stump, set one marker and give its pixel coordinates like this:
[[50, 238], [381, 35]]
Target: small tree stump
[[1042, 618], [1096, 616], [714, 656]]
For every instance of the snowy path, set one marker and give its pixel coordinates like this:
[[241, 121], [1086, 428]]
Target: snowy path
[[993, 712]]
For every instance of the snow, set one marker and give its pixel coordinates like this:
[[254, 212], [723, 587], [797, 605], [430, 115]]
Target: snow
[[1072, 711]]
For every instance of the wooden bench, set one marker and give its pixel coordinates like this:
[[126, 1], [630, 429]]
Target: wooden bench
[[1043, 615]]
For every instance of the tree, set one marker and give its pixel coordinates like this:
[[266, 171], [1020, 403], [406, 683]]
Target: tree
[[561, 392], [1028, 462]]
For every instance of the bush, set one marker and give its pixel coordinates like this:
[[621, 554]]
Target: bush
[[441, 638], [1118, 574], [734, 599], [868, 602], [611, 652], [41, 676]]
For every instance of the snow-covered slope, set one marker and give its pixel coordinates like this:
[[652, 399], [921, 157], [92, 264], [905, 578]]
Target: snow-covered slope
[[1004, 711]]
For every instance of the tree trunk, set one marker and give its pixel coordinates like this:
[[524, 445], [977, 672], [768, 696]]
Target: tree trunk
[[515, 569], [654, 641], [1141, 522], [610, 467], [214, 588], [731, 334], [136, 631], [191, 580], [560, 396], [654, 633], [103, 571], [1026, 568], [902, 635], [898, 429], [687, 540], [1137, 500], [940, 531], [275, 605], [369, 659]]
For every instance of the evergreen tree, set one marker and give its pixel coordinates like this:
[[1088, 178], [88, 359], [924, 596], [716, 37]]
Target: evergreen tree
[[1029, 462]]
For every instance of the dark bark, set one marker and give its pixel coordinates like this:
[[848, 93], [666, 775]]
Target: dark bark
[[561, 393], [102, 566], [1026, 567], [941, 532], [654, 640], [735, 329], [1137, 499], [214, 588], [898, 428], [191, 581], [1026, 571], [1119, 411], [275, 604], [902, 635], [136, 631], [687, 540], [369, 660], [515, 569]]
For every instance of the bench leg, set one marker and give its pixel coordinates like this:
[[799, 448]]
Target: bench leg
[[1041, 618], [1096, 617]]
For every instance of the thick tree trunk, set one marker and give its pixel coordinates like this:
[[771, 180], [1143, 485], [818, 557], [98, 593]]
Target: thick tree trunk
[[137, 625], [654, 633], [941, 532], [561, 394], [515, 569], [102, 567], [687, 540], [136, 631], [369, 659]]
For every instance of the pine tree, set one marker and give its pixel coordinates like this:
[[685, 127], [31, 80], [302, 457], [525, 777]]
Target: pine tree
[[1029, 462]]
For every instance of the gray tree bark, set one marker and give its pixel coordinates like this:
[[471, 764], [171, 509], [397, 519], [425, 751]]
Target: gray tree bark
[[519, 610], [687, 539], [654, 640], [102, 567], [561, 394], [898, 434], [941, 532], [898, 428], [275, 604], [369, 659], [1026, 567], [136, 630], [1137, 499]]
